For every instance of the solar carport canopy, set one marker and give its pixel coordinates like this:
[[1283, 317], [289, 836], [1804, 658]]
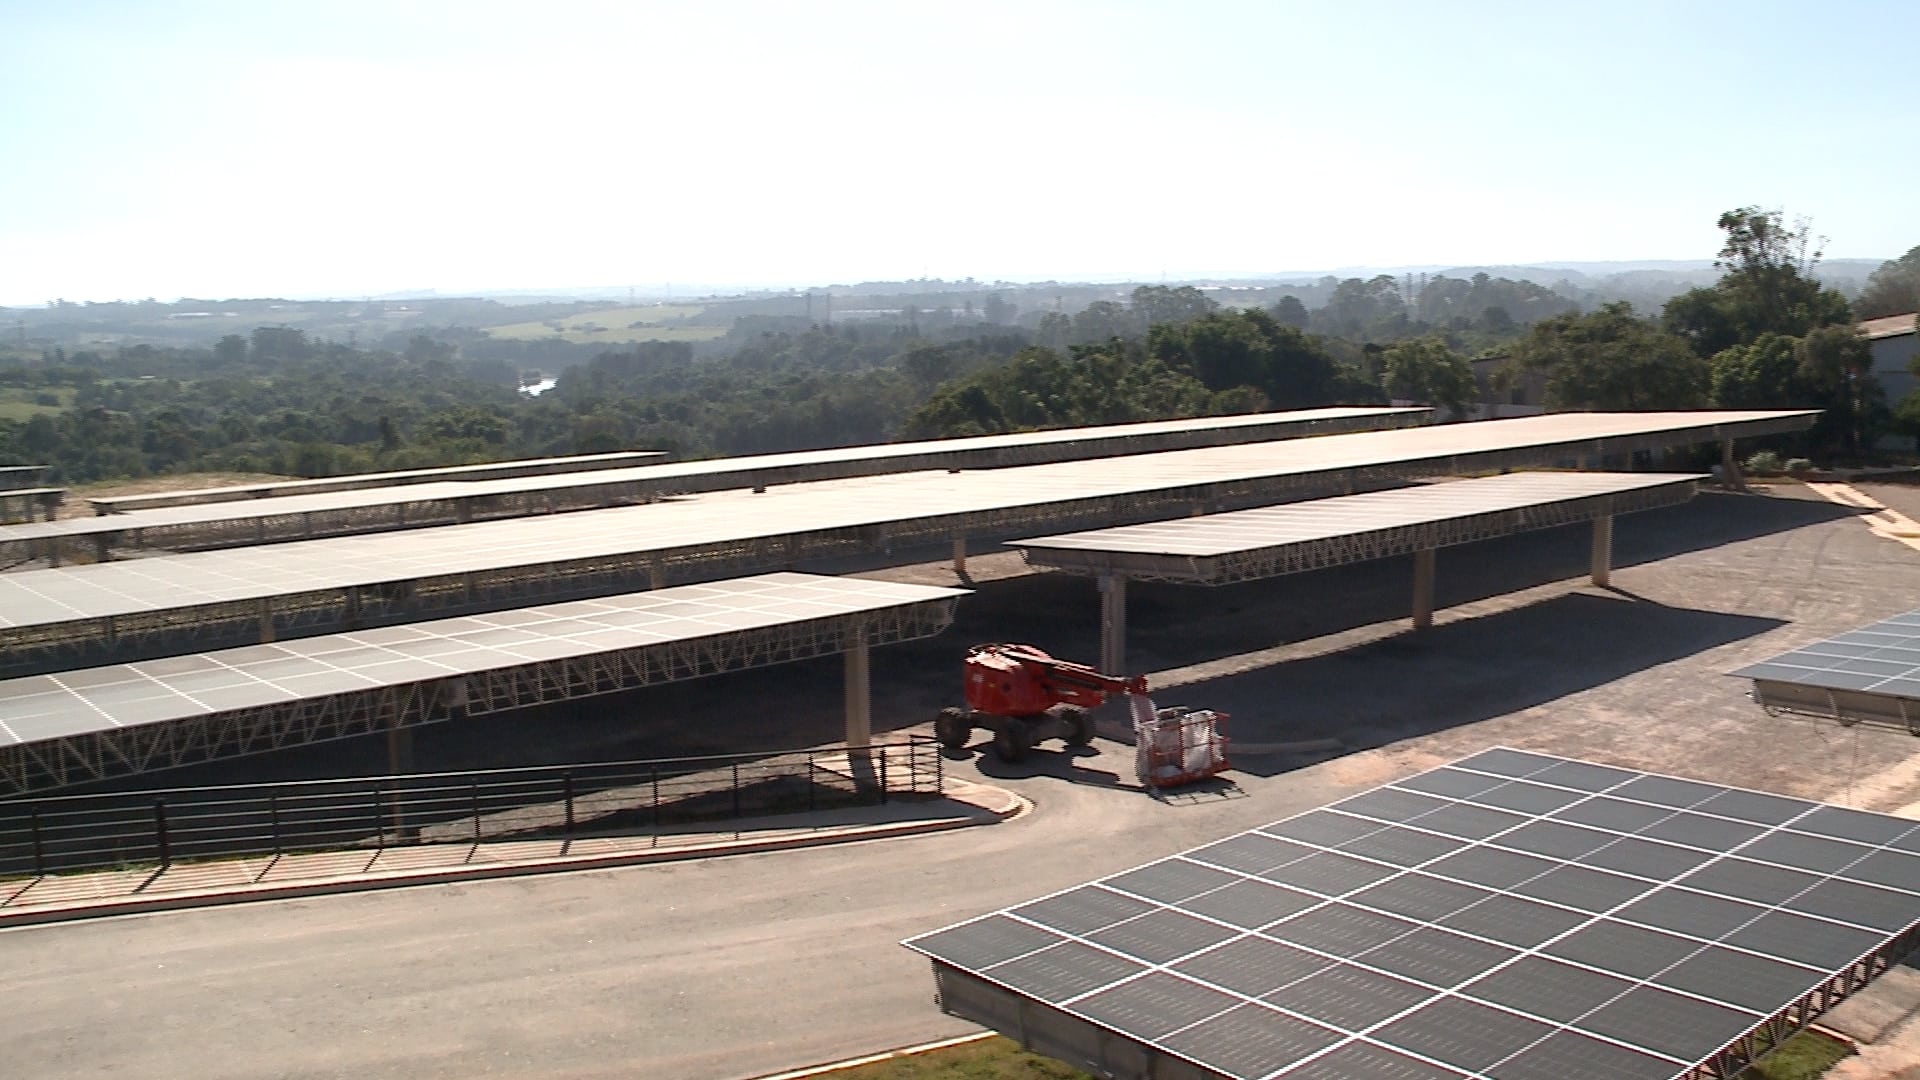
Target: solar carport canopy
[[354, 510], [1870, 675], [1513, 916], [129, 718], [1271, 540]]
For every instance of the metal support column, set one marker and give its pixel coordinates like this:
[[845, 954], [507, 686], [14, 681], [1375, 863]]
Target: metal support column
[[266, 620], [1113, 624], [1423, 588], [1603, 550], [399, 748], [859, 697], [960, 555]]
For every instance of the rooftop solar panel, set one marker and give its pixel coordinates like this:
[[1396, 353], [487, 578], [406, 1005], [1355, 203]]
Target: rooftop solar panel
[[1869, 675], [1591, 928]]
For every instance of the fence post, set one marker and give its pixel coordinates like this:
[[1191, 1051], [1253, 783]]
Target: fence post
[[939, 772], [476, 811], [808, 778], [736, 791], [273, 817], [39, 851], [884, 747], [160, 831], [566, 785], [379, 819], [653, 770]]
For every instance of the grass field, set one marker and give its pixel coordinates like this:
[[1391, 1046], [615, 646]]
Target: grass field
[[18, 404], [647, 322]]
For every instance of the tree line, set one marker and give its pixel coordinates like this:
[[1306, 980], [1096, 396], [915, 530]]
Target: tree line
[[1765, 334]]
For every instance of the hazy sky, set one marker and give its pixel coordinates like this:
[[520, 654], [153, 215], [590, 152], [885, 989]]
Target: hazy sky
[[281, 148]]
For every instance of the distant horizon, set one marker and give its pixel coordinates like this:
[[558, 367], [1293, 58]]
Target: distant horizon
[[694, 290]]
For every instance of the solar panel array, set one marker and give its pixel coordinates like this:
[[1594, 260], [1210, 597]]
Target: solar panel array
[[1512, 915], [35, 597], [45, 707], [1325, 519], [1880, 659], [731, 472]]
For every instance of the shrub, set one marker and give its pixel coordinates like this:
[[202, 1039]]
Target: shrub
[[1799, 465], [1763, 463]]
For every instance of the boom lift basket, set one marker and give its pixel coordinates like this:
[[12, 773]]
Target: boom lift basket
[[1176, 746]]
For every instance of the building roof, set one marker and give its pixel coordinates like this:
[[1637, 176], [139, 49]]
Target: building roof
[[1890, 326]]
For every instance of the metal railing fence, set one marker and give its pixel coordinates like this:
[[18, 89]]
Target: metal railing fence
[[157, 828]]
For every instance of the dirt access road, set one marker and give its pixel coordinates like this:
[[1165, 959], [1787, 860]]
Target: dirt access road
[[739, 967]]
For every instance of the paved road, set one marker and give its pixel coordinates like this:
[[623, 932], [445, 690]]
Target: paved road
[[739, 967]]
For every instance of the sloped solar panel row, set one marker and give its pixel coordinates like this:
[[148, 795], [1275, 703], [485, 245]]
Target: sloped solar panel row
[[45, 707], [1513, 915], [1883, 659]]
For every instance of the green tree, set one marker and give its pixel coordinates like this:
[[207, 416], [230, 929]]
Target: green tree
[[1610, 359], [1426, 370], [1763, 374], [1894, 289], [1160, 304], [1289, 311], [1767, 286]]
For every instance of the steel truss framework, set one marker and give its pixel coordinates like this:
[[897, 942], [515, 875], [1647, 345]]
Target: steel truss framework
[[129, 751], [206, 527], [1266, 562], [1845, 707]]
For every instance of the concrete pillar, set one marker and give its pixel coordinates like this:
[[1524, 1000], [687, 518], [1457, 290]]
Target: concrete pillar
[[859, 697], [266, 620], [1423, 588], [1603, 550], [960, 555], [103, 547], [399, 749], [656, 573], [1113, 624], [1729, 469]]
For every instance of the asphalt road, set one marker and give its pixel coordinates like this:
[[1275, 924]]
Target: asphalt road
[[739, 967]]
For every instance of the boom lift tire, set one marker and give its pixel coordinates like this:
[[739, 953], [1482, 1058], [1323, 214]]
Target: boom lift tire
[[954, 728], [1010, 740], [1079, 726]]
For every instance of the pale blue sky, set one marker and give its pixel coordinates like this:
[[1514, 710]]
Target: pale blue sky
[[348, 148]]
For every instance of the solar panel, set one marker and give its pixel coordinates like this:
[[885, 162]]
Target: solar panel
[[717, 473], [1511, 915], [917, 505], [46, 707], [1240, 531], [1871, 674]]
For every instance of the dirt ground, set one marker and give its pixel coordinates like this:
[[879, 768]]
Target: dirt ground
[[76, 506]]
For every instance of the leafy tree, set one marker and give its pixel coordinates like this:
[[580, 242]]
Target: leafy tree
[[1610, 359], [1289, 311], [1894, 289], [1836, 364], [1763, 374], [1767, 286], [1229, 349], [1160, 304], [1426, 370]]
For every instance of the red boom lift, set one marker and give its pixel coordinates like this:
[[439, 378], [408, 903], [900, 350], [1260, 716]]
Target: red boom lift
[[1023, 695]]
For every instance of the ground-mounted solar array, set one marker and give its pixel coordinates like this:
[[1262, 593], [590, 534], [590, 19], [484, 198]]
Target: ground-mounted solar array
[[1870, 675], [1513, 916]]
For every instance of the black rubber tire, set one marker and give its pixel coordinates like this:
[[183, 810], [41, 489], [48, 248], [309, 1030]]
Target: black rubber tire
[[954, 728], [1010, 741], [1079, 726]]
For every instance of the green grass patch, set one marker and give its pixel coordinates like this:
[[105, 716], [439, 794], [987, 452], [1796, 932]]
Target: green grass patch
[[17, 403], [645, 322], [1803, 1057], [997, 1058]]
